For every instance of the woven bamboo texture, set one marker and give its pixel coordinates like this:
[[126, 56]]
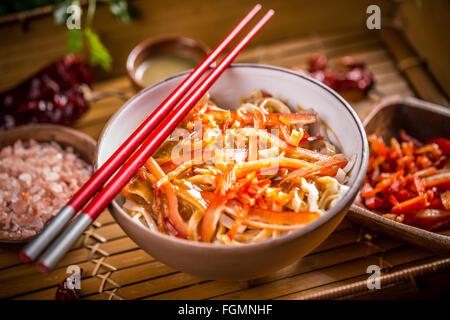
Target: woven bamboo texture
[[114, 267]]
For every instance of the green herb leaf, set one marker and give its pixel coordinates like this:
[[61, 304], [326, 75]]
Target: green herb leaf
[[74, 40], [120, 10], [99, 53]]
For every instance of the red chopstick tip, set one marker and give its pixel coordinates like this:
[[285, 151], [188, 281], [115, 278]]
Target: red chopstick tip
[[25, 258], [43, 268], [269, 14]]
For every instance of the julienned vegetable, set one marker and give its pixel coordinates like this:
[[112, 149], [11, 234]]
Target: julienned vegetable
[[409, 181], [244, 175]]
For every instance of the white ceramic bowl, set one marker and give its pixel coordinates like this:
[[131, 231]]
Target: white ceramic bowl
[[225, 262]]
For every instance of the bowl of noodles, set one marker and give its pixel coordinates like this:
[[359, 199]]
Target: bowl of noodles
[[256, 176]]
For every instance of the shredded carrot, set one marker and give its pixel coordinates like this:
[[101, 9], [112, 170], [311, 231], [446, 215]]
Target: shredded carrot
[[172, 202]]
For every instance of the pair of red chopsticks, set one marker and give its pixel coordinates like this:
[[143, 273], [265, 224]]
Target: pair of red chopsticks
[[151, 133]]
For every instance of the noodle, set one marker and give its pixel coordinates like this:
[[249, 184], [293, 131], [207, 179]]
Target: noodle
[[242, 176]]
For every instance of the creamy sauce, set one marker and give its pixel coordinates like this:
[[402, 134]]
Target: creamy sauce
[[159, 67]]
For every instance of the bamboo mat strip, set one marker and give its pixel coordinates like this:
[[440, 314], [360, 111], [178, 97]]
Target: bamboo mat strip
[[433, 285], [413, 67], [267, 289], [409, 274], [342, 237], [307, 264], [9, 256], [310, 293], [306, 280], [363, 48], [80, 256], [310, 43], [337, 240], [172, 282], [115, 268]]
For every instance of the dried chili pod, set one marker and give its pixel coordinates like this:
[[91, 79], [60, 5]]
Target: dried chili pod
[[349, 75], [52, 95], [317, 62], [67, 289]]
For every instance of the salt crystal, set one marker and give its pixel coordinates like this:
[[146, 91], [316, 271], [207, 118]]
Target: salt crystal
[[52, 176], [25, 177], [55, 187], [27, 168]]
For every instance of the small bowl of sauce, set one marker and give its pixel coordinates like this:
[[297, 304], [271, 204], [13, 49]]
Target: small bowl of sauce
[[156, 59]]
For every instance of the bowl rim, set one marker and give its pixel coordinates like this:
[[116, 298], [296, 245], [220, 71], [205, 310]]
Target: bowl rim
[[343, 204]]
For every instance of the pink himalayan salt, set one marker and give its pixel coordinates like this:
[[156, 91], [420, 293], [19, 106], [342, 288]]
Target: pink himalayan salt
[[36, 180]]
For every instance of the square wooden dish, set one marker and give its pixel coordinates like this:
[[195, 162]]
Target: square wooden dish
[[423, 121]]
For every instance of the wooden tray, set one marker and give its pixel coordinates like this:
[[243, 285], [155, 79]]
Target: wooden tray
[[116, 268], [424, 121]]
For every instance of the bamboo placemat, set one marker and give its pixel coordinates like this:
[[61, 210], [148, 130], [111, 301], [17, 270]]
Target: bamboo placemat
[[114, 267]]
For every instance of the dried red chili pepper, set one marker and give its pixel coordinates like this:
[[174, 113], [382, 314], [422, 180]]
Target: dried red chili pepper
[[349, 75], [318, 62], [52, 95], [66, 291]]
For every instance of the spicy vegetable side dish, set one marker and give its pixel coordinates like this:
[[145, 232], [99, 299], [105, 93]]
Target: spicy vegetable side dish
[[409, 181], [239, 176]]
